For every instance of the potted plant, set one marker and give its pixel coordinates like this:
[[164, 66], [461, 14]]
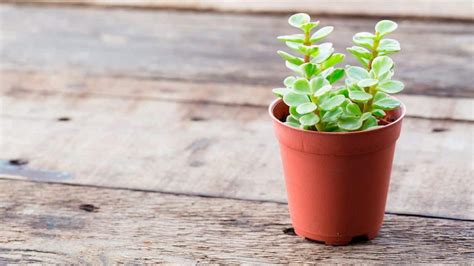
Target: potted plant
[[337, 142]]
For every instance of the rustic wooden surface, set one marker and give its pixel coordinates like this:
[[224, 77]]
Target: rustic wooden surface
[[189, 135], [444, 9], [160, 101], [436, 58], [47, 223]]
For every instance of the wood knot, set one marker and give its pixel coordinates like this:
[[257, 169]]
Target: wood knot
[[18, 162], [197, 119], [63, 119], [89, 208]]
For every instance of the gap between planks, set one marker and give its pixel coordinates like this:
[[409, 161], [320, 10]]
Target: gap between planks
[[11, 82], [211, 149], [69, 224], [190, 194]]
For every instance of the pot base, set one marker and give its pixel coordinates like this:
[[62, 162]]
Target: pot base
[[333, 240]]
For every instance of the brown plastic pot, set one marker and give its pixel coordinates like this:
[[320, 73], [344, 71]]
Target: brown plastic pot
[[337, 183]]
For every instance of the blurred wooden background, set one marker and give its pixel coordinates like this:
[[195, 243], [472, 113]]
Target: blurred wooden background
[[141, 135], [447, 9]]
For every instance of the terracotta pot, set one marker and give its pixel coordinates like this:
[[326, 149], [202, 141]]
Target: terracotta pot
[[337, 183]]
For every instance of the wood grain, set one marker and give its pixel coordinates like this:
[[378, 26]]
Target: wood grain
[[211, 149], [50, 223], [452, 9], [75, 82], [214, 47]]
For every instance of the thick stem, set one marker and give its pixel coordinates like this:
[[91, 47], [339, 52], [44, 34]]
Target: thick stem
[[307, 42], [368, 104], [374, 52], [307, 59]]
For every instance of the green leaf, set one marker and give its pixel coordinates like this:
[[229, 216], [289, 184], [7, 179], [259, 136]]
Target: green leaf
[[357, 73], [333, 60], [302, 86], [295, 99], [324, 52], [388, 46], [317, 83], [309, 69], [381, 65], [342, 91], [364, 62], [370, 122], [364, 39], [291, 119], [367, 83], [288, 81], [326, 72], [309, 49], [280, 92], [332, 115], [294, 67], [298, 38], [297, 20], [380, 95], [349, 123], [293, 113], [290, 58], [323, 90], [332, 103], [386, 103], [360, 52], [378, 113], [353, 109], [306, 108], [310, 119], [365, 116], [388, 75], [359, 96], [309, 26], [291, 124], [391, 86], [294, 46], [385, 27], [321, 33], [336, 75]]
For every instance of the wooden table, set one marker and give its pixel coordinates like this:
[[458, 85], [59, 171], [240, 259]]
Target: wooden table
[[142, 136]]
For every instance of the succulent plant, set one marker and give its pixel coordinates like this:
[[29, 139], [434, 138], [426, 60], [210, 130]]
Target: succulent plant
[[314, 103]]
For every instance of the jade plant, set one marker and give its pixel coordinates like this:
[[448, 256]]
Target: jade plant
[[315, 101]]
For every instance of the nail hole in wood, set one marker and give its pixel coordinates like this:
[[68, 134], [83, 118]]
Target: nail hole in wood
[[89, 208], [64, 119], [289, 231], [197, 119], [18, 162], [439, 129]]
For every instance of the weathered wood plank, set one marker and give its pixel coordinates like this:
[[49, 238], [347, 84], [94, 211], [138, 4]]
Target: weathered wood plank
[[51, 223], [452, 9], [210, 47], [211, 150], [74, 82]]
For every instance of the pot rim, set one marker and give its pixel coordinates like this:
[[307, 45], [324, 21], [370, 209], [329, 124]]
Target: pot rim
[[278, 100]]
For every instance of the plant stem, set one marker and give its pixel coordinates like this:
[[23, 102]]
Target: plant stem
[[319, 125], [374, 51], [368, 104], [307, 59]]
